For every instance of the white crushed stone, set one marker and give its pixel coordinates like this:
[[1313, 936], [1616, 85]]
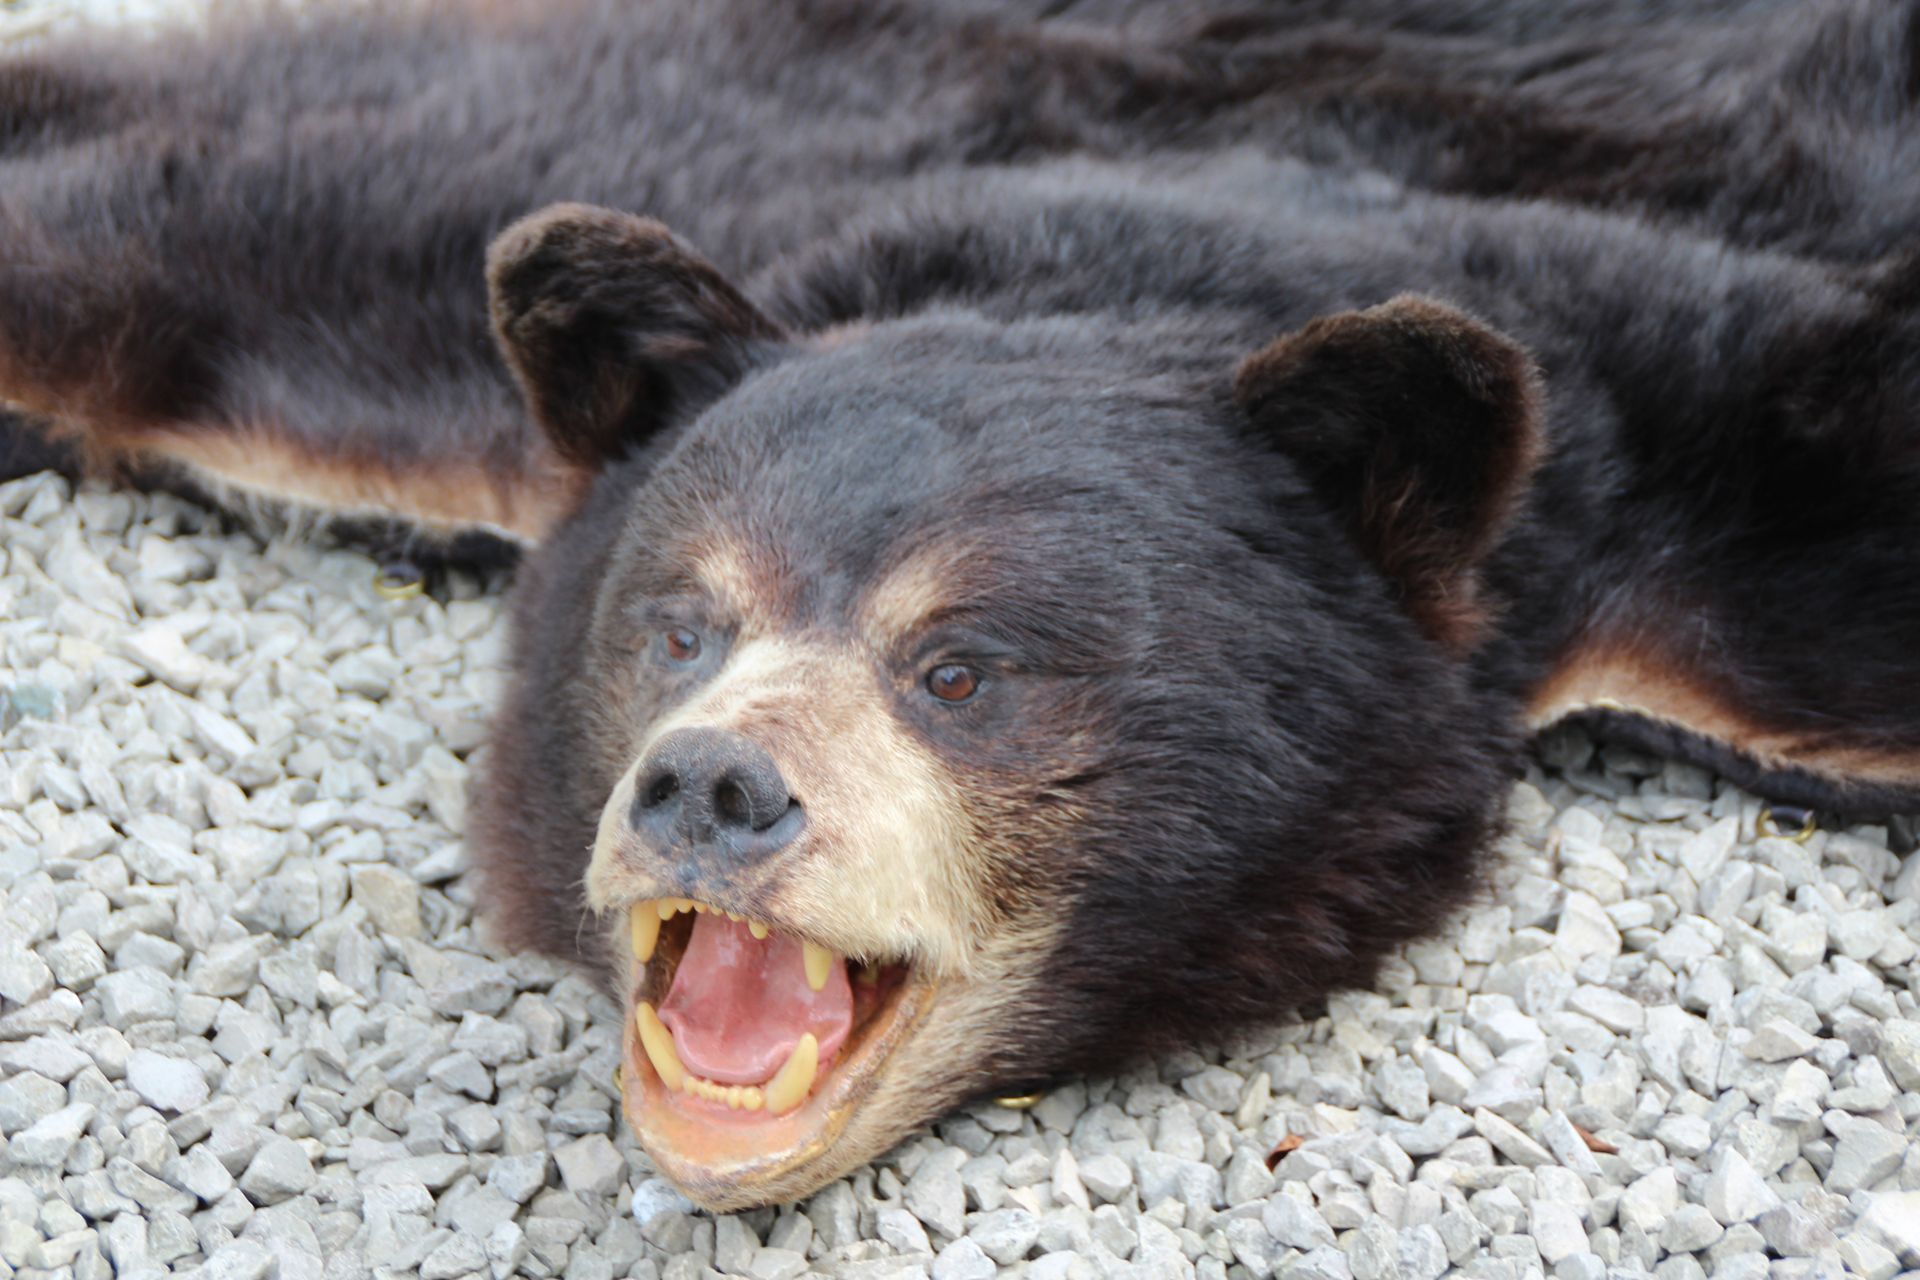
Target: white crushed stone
[[249, 1028]]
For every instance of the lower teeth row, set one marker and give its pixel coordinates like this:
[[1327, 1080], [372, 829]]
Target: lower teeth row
[[736, 1097], [787, 1090]]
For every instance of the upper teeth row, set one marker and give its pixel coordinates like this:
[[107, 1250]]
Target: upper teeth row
[[646, 916]]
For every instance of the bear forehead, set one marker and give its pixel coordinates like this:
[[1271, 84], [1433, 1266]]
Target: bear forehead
[[948, 409], [817, 489]]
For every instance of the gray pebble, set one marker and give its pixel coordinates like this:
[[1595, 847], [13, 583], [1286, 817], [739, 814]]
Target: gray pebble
[[963, 1260], [168, 1084], [935, 1196], [590, 1166], [46, 1142], [278, 1169]]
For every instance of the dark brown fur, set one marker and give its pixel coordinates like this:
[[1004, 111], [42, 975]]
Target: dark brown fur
[[1427, 501], [1317, 394]]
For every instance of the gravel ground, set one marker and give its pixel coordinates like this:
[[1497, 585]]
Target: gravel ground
[[27, 19], [249, 1026]]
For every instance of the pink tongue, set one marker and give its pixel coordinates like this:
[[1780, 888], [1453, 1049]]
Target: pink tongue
[[739, 1003]]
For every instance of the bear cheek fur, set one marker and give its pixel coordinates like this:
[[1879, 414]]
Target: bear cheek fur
[[1235, 870]]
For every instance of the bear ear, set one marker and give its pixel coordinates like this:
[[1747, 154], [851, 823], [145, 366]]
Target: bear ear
[[1421, 427], [610, 323]]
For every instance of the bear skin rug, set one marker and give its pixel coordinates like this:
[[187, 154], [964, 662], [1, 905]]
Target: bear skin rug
[[1045, 528]]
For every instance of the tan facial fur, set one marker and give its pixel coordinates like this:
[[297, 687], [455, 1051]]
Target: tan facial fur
[[916, 590], [887, 866]]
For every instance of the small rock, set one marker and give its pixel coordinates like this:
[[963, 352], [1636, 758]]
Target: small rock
[[1865, 1155], [1106, 1175], [1778, 1040], [279, 1169], [1792, 1232], [1900, 1041], [1690, 1229], [1734, 1192], [1005, 1235], [1802, 1091], [46, 1142], [519, 1177], [166, 1084], [238, 1260], [1893, 1218], [1509, 1141], [43, 1055], [135, 995], [963, 1260], [461, 1254], [1295, 1223], [590, 1165], [935, 1196], [391, 899], [902, 1231], [1650, 1201], [776, 1264], [24, 976]]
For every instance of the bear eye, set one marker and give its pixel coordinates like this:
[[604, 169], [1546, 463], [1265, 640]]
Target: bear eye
[[953, 682], [682, 645]]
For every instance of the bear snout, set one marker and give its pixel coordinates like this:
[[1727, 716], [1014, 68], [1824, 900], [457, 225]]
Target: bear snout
[[712, 797]]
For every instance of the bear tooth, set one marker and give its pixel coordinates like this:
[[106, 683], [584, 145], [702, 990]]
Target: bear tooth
[[667, 907], [819, 962], [657, 1040], [757, 929], [752, 1099], [644, 920], [790, 1083]]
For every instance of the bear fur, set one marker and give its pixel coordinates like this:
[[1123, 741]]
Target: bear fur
[[1284, 413]]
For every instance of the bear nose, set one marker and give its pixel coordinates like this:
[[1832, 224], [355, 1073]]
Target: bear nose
[[705, 793]]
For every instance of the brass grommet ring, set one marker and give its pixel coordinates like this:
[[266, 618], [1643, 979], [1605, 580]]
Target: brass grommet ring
[[1769, 822], [399, 580]]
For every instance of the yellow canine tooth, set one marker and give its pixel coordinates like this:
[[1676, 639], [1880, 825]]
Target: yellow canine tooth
[[658, 1042], [788, 1088], [644, 920], [819, 962], [757, 929]]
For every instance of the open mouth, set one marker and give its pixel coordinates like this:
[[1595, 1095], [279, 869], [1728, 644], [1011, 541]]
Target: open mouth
[[748, 1047]]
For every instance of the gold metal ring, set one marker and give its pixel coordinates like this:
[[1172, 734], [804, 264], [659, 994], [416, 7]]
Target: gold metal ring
[[390, 584], [1770, 828], [1019, 1101]]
